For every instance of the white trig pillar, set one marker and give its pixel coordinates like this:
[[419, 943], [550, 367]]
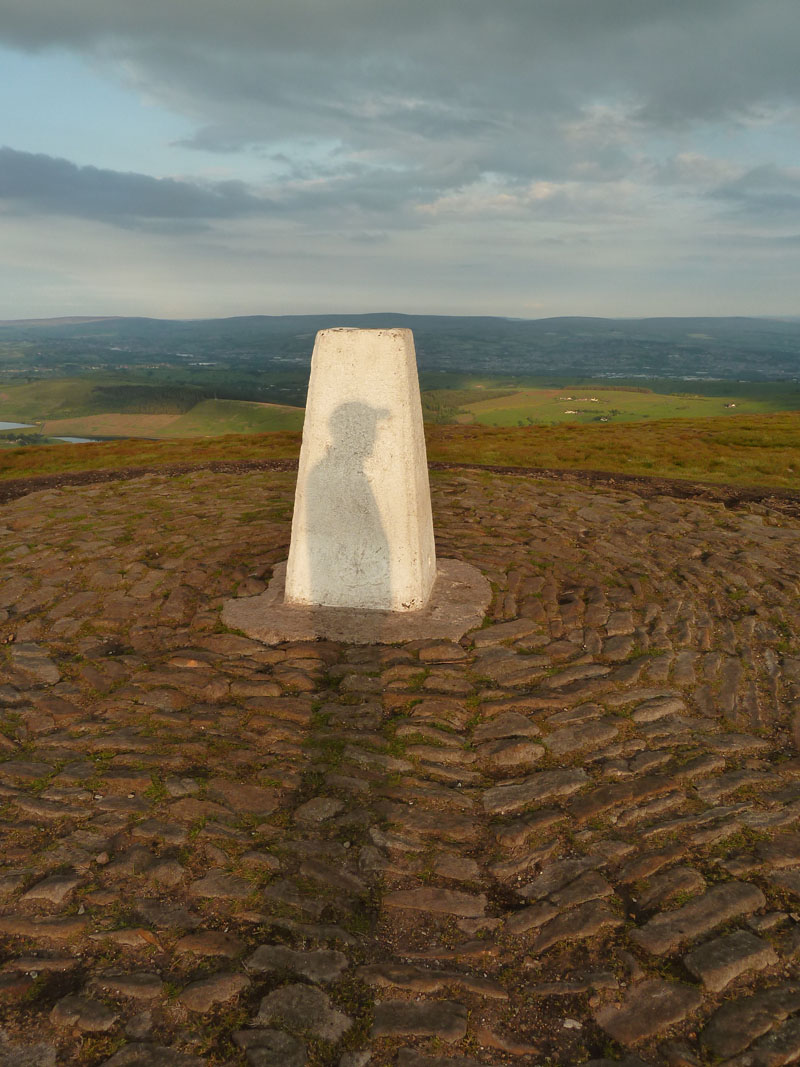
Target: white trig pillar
[[362, 532]]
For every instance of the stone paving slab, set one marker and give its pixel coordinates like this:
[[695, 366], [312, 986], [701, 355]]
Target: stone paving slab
[[569, 837], [458, 602]]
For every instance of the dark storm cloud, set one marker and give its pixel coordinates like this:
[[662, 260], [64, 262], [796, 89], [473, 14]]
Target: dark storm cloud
[[39, 183], [33, 182], [443, 69]]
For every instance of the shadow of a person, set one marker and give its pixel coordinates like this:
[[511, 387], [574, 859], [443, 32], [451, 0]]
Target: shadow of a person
[[348, 558]]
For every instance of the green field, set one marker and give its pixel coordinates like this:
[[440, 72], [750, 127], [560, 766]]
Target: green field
[[593, 403], [114, 407], [56, 398], [69, 398], [624, 428], [210, 418], [137, 406]]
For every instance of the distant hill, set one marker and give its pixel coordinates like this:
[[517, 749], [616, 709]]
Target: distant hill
[[747, 349]]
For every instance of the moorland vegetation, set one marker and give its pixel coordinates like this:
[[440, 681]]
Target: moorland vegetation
[[714, 400]]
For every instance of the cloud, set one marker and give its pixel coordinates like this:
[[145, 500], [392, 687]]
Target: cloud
[[35, 182], [767, 194], [384, 107], [436, 141], [253, 70], [696, 170]]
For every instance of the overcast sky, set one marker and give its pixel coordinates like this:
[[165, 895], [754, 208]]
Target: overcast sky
[[189, 158]]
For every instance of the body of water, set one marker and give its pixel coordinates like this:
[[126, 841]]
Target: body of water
[[16, 426]]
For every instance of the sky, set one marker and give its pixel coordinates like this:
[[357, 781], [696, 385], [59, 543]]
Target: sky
[[526, 158]]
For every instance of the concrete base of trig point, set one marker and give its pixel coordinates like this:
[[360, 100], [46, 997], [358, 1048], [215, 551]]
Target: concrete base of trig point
[[458, 602]]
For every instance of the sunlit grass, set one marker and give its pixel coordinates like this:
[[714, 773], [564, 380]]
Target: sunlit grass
[[739, 449]]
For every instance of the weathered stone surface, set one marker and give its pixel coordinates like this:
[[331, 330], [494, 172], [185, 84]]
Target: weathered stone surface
[[166, 916], [504, 631], [161, 756], [510, 752], [141, 985], [519, 922], [544, 785], [355, 1059], [606, 797], [422, 980], [576, 674], [619, 648], [50, 928], [303, 1008], [241, 796], [649, 1008], [666, 931], [321, 965], [504, 1042], [30, 1054], [719, 962], [508, 724], [54, 890], [333, 877], [788, 881], [219, 885], [147, 1054], [575, 925], [663, 887], [318, 809], [24, 770], [558, 874], [658, 708], [408, 1057], [14, 986], [435, 823], [782, 851], [210, 943], [737, 1023], [457, 603], [442, 901], [271, 1048], [83, 1013], [650, 861], [584, 735], [507, 668], [189, 809], [588, 886], [459, 868], [443, 1019], [781, 1045], [32, 660], [209, 992]]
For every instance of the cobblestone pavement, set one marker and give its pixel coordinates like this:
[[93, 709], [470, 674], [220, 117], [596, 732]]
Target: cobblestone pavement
[[571, 837]]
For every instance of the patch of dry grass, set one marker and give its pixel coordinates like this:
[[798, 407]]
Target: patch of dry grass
[[757, 450], [742, 449]]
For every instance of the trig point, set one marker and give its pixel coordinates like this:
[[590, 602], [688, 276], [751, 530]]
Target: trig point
[[362, 563], [362, 533]]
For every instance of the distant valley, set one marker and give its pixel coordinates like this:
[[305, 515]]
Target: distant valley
[[105, 378]]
